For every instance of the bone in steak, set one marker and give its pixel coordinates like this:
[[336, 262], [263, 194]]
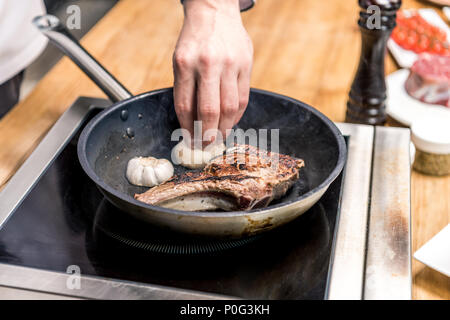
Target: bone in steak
[[243, 178], [429, 80]]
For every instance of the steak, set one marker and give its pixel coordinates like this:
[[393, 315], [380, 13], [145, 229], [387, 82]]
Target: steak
[[429, 80], [242, 178]]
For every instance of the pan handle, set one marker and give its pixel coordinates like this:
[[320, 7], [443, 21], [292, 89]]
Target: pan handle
[[52, 27]]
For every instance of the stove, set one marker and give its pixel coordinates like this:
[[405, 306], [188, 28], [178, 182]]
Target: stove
[[60, 236]]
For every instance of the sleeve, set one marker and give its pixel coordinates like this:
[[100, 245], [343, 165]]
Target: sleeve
[[246, 4]]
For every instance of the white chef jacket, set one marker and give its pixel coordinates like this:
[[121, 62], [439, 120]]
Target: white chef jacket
[[20, 41]]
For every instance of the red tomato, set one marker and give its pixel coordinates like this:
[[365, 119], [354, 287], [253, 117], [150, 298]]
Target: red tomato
[[416, 34], [423, 44], [412, 23], [411, 41], [436, 47], [420, 29], [413, 35], [399, 35], [445, 52], [421, 20], [441, 34]]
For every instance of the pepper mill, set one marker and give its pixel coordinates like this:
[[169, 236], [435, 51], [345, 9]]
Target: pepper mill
[[367, 96]]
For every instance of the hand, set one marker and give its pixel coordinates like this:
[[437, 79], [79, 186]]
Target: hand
[[212, 64]]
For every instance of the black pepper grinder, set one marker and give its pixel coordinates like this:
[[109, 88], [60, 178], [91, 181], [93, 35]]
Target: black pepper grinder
[[367, 96]]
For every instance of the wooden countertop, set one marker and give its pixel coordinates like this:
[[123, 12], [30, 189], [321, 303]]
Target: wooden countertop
[[303, 49]]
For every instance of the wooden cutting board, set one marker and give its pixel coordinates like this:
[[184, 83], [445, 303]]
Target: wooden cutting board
[[440, 2]]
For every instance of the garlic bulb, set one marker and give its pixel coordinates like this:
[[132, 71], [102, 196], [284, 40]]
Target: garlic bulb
[[195, 158], [148, 171]]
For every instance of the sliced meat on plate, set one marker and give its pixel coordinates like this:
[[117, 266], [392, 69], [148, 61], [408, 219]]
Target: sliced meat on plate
[[429, 80]]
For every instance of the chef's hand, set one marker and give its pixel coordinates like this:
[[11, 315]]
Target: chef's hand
[[212, 64]]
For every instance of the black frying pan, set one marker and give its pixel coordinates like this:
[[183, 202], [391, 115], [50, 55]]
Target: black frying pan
[[142, 126]]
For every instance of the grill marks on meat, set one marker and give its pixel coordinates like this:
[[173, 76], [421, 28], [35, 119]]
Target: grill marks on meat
[[243, 178]]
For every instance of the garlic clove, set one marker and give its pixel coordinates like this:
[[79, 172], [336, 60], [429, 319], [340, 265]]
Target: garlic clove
[[213, 150], [193, 158], [148, 171], [163, 170], [184, 155], [149, 178], [134, 171]]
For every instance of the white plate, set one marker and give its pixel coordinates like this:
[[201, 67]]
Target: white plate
[[406, 58], [404, 108], [436, 252]]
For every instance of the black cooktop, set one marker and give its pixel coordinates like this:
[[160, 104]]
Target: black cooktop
[[65, 221]]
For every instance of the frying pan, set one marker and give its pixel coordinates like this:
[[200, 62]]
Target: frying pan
[[143, 124]]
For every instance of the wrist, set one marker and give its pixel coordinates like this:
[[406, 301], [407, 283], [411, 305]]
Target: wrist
[[206, 6]]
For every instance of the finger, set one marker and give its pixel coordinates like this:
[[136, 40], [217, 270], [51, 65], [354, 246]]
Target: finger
[[229, 101], [208, 105], [244, 92], [184, 92]]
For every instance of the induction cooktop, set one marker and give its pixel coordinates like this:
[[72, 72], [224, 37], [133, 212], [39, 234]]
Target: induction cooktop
[[60, 223]]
